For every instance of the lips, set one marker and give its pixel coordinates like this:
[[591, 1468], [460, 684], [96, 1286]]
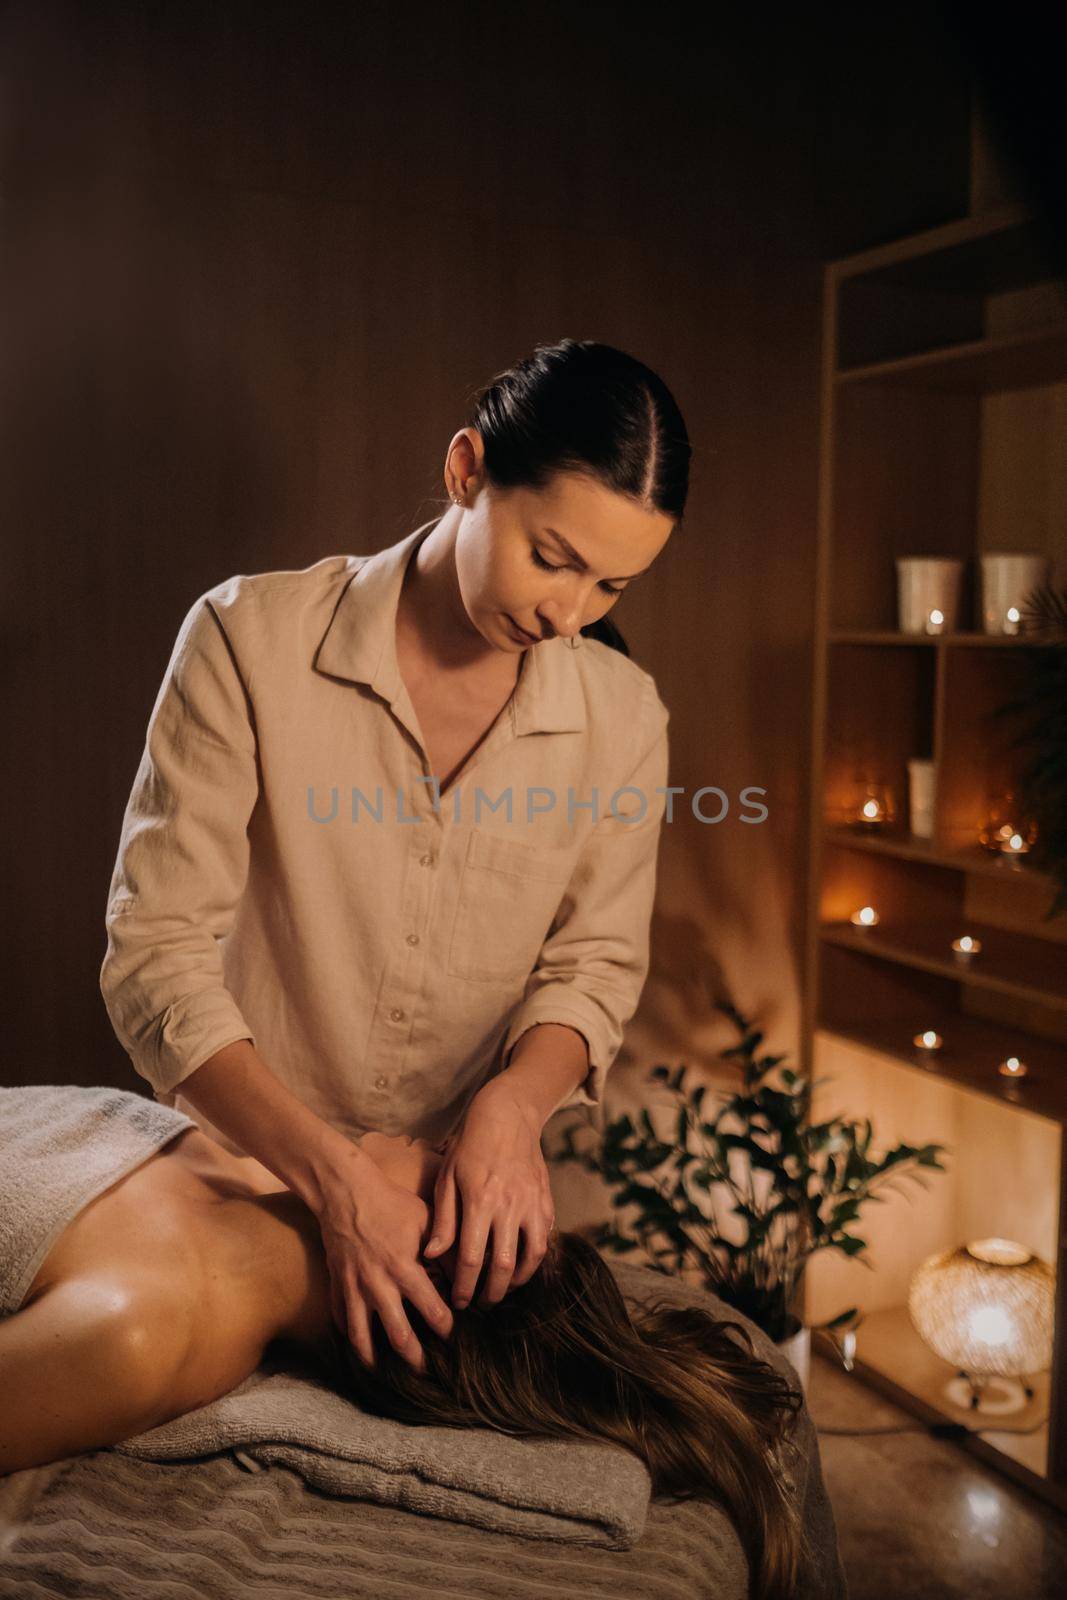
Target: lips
[[528, 636]]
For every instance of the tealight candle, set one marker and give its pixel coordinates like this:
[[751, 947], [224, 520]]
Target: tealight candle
[[928, 1040], [877, 808], [1012, 619], [865, 917], [1013, 1068], [963, 949], [935, 621], [1008, 830]]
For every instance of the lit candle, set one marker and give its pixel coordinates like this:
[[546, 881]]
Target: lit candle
[[1014, 845], [963, 949], [866, 917], [935, 621], [928, 1041], [876, 809], [1013, 1068], [1012, 619]]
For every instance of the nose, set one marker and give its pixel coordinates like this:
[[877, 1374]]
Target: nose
[[566, 623]]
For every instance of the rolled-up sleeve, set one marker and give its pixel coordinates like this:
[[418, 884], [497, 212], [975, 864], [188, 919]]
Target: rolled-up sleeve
[[593, 965], [182, 863]]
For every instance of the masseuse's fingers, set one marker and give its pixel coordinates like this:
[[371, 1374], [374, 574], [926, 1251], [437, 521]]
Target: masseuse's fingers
[[398, 1329], [359, 1329], [443, 1230], [535, 1247], [474, 1231], [420, 1289], [337, 1302], [502, 1262], [537, 1231]]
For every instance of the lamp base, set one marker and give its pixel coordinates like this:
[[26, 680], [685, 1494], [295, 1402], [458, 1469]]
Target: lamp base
[[993, 1397]]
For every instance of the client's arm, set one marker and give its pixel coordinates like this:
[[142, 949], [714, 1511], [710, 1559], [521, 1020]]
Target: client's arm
[[85, 1366]]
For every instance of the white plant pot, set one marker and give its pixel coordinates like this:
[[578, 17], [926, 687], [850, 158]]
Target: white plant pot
[[797, 1349]]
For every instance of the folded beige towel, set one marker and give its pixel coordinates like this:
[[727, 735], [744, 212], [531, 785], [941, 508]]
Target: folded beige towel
[[587, 1493]]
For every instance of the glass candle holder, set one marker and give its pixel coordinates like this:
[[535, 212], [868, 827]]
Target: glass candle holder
[[966, 948], [1006, 830], [1009, 579], [876, 809], [1013, 1068], [928, 593], [928, 1043]]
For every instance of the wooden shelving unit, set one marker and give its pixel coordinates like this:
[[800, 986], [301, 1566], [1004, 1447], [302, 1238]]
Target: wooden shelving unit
[[944, 414]]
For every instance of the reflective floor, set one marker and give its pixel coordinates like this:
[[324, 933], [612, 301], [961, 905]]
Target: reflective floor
[[921, 1519]]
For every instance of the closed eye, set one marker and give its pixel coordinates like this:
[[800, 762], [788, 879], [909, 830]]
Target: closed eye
[[547, 566]]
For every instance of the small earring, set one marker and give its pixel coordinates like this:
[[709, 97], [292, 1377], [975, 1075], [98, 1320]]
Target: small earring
[[457, 499], [575, 643]]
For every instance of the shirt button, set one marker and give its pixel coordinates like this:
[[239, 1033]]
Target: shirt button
[[413, 938], [396, 1015], [380, 1081], [426, 861]]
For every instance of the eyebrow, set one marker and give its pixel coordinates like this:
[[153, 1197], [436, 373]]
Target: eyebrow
[[572, 552]]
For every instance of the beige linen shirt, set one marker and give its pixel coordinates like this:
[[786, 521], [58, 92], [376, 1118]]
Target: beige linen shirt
[[288, 871]]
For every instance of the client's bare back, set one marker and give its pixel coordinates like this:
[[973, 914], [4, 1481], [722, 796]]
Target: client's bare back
[[148, 1304]]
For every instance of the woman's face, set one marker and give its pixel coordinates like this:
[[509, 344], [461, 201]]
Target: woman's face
[[514, 565]]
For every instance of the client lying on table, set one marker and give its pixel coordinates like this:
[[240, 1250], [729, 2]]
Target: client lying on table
[[145, 1271]]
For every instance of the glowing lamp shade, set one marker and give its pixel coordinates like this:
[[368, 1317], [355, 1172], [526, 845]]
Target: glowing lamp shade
[[986, 1308]]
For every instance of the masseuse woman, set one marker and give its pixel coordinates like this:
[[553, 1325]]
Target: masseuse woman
[[316, 929]]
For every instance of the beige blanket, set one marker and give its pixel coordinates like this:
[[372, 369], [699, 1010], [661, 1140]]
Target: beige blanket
[[540, 1488]]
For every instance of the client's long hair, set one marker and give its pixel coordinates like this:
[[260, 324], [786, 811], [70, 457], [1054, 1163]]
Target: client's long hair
[[562, 1356]]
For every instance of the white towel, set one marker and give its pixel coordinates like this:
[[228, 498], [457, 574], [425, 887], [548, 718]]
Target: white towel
[[61, 1145]]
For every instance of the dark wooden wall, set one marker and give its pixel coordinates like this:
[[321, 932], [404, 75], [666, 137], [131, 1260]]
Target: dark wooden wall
[[254, 264]]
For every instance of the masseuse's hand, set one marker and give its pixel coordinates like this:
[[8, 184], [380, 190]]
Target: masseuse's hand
[[372, 1232], [494, 1173]]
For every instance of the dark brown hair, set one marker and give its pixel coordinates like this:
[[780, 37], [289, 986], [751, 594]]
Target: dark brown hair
[[561, 1356], [586, 407]]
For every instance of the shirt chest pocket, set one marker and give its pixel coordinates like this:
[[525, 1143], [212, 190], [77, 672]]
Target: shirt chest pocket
[[509, 893]]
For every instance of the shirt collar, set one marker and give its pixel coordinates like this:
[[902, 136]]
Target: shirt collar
[[360, 646]]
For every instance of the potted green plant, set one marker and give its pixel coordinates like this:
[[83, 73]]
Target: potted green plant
[[746, 1193]]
